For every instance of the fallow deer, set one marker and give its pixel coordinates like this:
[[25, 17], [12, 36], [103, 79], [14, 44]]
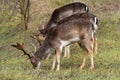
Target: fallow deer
[[61, 13], [67, 32], [86, 17], [64, 12]]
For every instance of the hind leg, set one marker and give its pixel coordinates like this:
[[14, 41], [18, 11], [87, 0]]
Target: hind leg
[[84, 60], [84, 57], [95, 45], [87, 46], [90, 51], [67, 51]]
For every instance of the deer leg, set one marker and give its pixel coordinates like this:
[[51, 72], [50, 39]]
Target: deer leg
[[95, 45], [90, 50], [84, 59], [67, 51], [91, 59], [54, 62], [58, 54], [85, 55]]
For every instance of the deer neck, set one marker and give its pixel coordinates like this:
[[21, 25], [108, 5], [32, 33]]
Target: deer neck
[[43, 51]]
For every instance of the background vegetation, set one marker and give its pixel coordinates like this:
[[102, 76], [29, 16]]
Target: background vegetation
[[13, 66]]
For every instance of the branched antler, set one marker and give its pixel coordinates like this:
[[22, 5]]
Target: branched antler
[[30, 57], [21, 47], [38, 38]]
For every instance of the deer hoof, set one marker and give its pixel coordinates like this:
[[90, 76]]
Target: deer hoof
[[57, 69], [91, 67], [81, 67]]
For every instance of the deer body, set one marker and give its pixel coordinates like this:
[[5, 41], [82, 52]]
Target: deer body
[[66, 33], [70, 30], [61, 13], [64, 12], [85, 17]]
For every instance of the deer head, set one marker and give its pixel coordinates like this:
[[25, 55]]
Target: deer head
[[42, 53], [32, 59], [38, 38], [70, 30]]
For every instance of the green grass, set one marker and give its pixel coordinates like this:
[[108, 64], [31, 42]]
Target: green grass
[[13, 66]]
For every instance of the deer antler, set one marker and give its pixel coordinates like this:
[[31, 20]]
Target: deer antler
[[30, 57], [35, 36], [21, 47], [38, 38]]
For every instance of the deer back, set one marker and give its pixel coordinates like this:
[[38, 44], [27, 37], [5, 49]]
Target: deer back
[[63, 12], [68, 10], [70, 31], [84, 17]]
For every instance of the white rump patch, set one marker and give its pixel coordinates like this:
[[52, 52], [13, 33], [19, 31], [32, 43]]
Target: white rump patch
[[95, 24], [86, 8], [95, 20]]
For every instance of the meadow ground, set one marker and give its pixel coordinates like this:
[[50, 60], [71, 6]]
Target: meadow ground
[[13, 66]]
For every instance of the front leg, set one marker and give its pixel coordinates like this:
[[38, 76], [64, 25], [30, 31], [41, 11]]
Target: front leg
[[90, 50], [54, 62], [58, 54]]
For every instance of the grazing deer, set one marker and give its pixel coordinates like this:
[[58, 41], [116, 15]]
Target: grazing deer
[[61, 13], [67, 32], [86, 17]]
